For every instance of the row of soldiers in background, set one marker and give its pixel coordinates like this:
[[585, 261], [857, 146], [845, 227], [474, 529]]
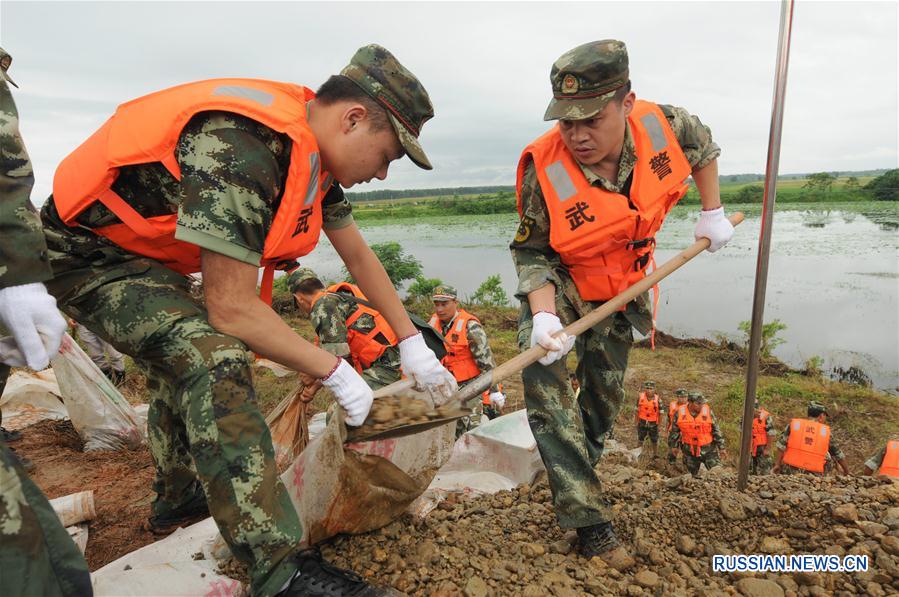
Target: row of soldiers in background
[[347, 326], [804, 446]]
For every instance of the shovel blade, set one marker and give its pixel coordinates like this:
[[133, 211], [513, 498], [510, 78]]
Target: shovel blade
[[367, 434]]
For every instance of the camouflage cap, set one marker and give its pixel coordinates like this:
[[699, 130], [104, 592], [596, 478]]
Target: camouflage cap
[[649, 384], [381, 76], [5, 62], [680, 393], [756, 405], [696, 397], [586, 78], [444, 292], [816, 408], [298, 276]]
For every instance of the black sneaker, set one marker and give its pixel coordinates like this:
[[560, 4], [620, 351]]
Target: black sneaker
[[10, 436], [599, 540], [117, 377], [193, 511], [317, 578]]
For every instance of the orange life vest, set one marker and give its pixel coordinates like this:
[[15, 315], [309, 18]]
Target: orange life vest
[[759, 431], [147, 129], [606, 239], [648, 408], [458, 360], [807, 445], [365, 348], [890, 464], [672, 408], [695, 432]]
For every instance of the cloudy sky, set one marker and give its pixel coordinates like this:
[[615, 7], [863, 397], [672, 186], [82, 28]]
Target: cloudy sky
[[485, 65]]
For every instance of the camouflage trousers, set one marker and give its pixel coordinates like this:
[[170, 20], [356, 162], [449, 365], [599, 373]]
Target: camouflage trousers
[[708, 455], [646, 429], [760, 464], [37, 556], [378, 375], [570, 431], [203, 422]]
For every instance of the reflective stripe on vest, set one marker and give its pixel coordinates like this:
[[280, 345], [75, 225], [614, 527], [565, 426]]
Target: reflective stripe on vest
[[696, 432], [759, 431], [890, 464], [807, 445], [458, 360], [147, 130], [365, 348], [605, 239], [648, 408]]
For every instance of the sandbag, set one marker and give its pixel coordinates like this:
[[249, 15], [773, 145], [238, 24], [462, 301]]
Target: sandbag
[[359, 487], [99, 413], [30, 397]]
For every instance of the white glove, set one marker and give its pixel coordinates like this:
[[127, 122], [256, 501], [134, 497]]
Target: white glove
[[545, 327], [420, 363], [715, 227], [497, 399], [352, 393], [29, 312]]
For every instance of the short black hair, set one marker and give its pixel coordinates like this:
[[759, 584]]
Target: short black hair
[[309, 286], [621, 92], [339, 88]]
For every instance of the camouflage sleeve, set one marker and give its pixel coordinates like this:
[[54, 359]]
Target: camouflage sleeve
[[674, 436], [232, 172], [717, 436], [328, 319], [769, 426], [834, 450], [783, 439], [23, 250], [336, 209], [876, 459], [534, 258], [480, 349], [694, 137]]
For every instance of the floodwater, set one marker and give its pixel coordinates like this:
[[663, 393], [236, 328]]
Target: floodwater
[[833, 276]]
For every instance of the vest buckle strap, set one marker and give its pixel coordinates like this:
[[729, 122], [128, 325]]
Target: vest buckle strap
[[649, 241]]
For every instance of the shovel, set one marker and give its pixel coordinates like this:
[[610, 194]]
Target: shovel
[[476, 386]]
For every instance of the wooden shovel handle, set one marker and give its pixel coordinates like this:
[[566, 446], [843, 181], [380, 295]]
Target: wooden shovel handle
[[533, 354]]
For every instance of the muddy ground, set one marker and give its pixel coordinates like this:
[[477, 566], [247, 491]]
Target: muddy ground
[[482, 542]]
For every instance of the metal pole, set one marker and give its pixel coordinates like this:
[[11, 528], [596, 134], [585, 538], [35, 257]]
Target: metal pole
[[761, 270]]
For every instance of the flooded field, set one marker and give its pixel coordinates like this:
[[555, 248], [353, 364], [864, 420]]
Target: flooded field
[[833, 276]]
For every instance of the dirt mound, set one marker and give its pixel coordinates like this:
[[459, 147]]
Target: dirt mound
[[121, 482], [510, 543]]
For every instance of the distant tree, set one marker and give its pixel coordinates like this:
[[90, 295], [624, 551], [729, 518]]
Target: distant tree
[[423, 288], [770, 341], [885, 187], [400, 266], [820, 182], [491, 293], [752, 193]]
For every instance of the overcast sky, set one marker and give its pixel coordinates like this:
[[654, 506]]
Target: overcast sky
[[485, 65]]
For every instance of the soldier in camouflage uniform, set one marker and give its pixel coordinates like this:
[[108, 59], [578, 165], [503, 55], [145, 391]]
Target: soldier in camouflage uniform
[[646, 428], [816, 412], [329, 315], [206, 434], [710, 455], [874, 464], [680, 396], [446, 315], [37, 556], [586, 81], [760, 461]]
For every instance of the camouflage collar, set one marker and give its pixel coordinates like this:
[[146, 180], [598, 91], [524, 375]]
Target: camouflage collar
[[625, 165]]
